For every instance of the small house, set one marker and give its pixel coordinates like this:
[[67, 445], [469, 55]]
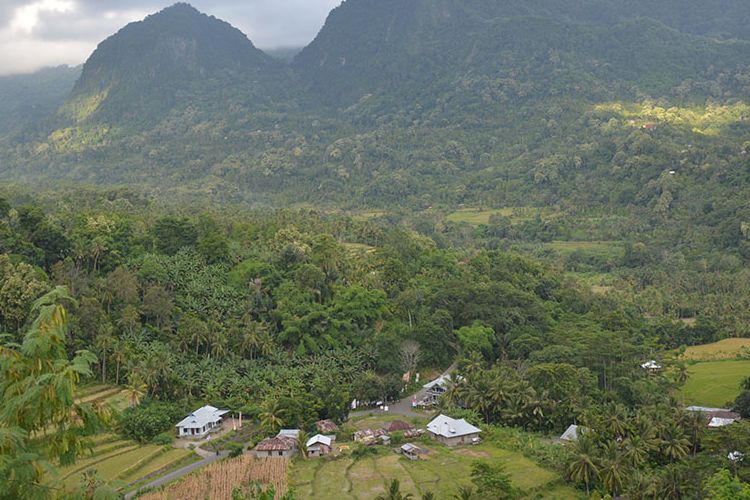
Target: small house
[[369, 436], [397, 426], [276, 447], [452, 432], [652, 366], [202, 421], [318, 445], [716, 417], [289, 433], [570, 434], [326, 426], [411, 451], [413, 433], [436, 388]]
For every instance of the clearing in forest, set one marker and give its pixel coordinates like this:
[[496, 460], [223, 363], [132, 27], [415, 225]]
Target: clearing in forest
[[715, 383], [723, 349], [477, 217]]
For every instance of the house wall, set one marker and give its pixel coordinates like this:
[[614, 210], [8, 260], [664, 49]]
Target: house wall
[[455, 441], [274, 454]]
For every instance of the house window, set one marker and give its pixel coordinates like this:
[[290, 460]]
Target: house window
[[281, 453], [269, 453]]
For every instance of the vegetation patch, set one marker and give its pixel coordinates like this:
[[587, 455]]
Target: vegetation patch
[[723, 349], [715, 383]]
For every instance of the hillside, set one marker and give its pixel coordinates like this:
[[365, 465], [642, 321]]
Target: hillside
[[169, 59], [416, 104], [26, 100]]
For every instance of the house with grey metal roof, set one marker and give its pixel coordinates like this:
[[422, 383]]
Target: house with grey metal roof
[[319, 445], [202, 421], [452, 432]]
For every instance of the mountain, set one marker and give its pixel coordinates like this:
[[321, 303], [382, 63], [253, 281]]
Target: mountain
[[27, 99], [416, 103], [169, 58], [418, 49]]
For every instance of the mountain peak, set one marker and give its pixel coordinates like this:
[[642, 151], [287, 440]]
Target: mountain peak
[[152, 60]]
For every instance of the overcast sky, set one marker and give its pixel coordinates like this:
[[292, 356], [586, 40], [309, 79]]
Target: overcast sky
[[37, 33]]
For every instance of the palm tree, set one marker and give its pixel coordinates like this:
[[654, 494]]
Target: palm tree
[[611, 469], [673, 483], [271, 416], [583, 468], [636, 450], [302, 444], [674, 443], [393, 492], [135, 389]]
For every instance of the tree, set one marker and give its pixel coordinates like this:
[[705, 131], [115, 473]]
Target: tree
[[38, 384], [271, 416], [722, 486], [135, 389], [583, 468], [172, 234], [476, 338], [393, 492], [410, 355], [492, 481], [19, 286], [157, 304]]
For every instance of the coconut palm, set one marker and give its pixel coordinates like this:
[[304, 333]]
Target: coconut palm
[[675, 445], [583, 468], [611, 469], [635, 450], [272, 415], [135, 389], [393, 492]]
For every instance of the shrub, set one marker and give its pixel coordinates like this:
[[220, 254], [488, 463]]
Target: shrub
[[146, 421], [235, 449], [164, 439]]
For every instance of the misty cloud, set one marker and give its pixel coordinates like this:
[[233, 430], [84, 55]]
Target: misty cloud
[[36, 33]]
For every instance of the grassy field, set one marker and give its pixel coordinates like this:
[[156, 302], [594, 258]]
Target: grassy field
[[715, 383], [476, 217], [443, 471], [723, 349], [599, 247]]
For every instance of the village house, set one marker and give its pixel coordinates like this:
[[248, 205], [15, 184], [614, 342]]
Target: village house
[[326, 426], [319, 445], [369, 436], [283, 445], [202, 421], [452, 432], [652, 366], [411, 451], [570, 434], [397, 426], [435, 389], [716, 417]]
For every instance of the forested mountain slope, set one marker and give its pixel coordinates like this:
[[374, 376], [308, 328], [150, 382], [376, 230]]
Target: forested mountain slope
[[416, 103], [27, 99]]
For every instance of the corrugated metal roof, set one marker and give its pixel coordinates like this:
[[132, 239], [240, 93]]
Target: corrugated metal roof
[[448, 427], [202, 416], [319, 439]]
